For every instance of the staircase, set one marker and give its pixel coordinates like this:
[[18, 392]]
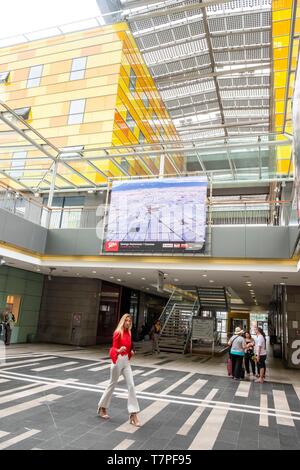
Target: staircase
[[176, 329], [213, 299]]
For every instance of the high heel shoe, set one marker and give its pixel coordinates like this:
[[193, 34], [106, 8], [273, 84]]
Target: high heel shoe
[[102, 413], [133, 419]]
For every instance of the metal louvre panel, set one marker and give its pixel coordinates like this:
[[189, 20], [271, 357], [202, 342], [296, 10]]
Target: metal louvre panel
[[235, 40], [175, 66], [216, 24], [207, 133], [146, 42], [182, 32], [242, 82], [160, 20], [165, 37], [159, 70], [193, 88], [234, 22], [177, 16], [141, 25], [175, 52], [203, 59], [247, 93], [239, 4], [258, 37], [219, 42], [246, 112], [266, 18], [189, 63], [196, 28]]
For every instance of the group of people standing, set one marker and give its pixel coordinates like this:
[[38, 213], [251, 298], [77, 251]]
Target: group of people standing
[[247, 352]]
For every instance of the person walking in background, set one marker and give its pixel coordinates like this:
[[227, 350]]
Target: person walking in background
[[120, 354], [238, 345], [249, 353], [9, 323], [155, 334], [261, 354]]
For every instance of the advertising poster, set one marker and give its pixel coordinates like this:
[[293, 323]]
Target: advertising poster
[[157, 215]]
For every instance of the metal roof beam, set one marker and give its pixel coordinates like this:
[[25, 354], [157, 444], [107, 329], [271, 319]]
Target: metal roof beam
[[36, 145], [184, 147]]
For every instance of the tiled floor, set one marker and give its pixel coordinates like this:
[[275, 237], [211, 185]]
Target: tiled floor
[[49, 396]]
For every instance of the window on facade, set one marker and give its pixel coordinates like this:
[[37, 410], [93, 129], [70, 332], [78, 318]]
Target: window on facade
[[4, 76], [130, 121], [17, 164], [125, 164], [132, 81], [142, 138], [145, 100], [78, 68], [76, 112], [34, 76]]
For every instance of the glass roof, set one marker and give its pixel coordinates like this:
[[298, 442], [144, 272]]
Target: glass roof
[[212, 63]]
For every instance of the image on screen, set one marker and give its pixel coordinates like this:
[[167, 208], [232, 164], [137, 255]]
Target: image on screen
[[165, 210]]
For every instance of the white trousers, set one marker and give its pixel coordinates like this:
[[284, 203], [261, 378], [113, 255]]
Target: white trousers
[[122, 366]]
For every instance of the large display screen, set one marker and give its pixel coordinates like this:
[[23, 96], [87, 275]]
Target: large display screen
[[157, 215]]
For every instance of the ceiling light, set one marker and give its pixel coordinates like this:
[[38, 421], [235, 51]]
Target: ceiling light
[[77, 274], [204, 275], [175, 279], [128, 273], [119, 280], [94, 272], [143, 278], [211, 280], [2, 260], [111, 277], [147, 288], [38, 270]]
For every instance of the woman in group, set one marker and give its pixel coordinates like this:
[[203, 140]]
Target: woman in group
[[120, 354], [249, 353], [237, 345], [261, 354]]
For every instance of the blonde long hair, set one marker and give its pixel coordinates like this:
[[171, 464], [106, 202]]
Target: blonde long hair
[[120, 327]]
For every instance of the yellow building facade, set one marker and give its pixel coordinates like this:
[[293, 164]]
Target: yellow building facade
[[87, 90]]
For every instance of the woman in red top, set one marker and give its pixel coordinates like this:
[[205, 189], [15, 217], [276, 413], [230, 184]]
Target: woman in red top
[[120, 354]]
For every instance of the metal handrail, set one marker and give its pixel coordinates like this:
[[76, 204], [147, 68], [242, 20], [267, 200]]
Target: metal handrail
[[166, 306]]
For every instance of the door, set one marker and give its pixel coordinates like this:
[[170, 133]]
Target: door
[[108, 312]]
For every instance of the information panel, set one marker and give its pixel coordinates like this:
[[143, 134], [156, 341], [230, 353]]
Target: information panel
[[157, 215], [203, 328]]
